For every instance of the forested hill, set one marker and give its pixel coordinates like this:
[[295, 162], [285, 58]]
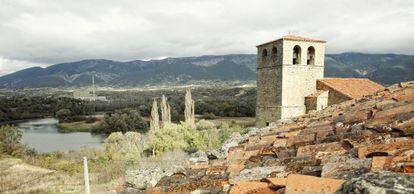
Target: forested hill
[[385, 69], [382, 68]]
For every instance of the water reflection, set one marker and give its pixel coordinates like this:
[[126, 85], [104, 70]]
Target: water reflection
[[43, 135]]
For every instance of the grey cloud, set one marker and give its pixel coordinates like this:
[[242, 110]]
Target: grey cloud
[[48, 31]]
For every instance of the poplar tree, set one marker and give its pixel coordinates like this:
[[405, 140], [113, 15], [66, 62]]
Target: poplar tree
[[165, 111], [189, 108], [154, 119]]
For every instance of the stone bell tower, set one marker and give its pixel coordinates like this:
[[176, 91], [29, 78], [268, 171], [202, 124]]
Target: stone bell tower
[[287, 70]]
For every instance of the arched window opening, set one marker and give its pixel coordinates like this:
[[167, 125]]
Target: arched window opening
[[296, 54], [264, 53], [311, 56], [274, 52]]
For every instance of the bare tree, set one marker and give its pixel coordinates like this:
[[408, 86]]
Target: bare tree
[[155, 118], [165, 111], [189, 108]]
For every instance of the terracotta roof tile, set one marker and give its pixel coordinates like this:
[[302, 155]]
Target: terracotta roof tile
[[275, 183], [380, 162], [404, 95], [312, 150], [251, 187], [386, 149], [351, 87], [216, 170], [200, 165], [340, 142], [295, 38], [309, 184]]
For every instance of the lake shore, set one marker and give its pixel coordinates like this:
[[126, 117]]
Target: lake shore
[[44, 136]]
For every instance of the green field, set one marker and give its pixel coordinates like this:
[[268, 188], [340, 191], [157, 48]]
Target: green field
[[81, 126]]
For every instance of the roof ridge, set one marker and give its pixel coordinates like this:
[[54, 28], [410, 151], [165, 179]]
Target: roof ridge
[[333, 88], [294, 38], [352, 78]]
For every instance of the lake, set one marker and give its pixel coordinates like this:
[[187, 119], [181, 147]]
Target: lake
[[43, 136]]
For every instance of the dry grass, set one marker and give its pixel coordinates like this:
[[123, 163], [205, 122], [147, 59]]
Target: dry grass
[[165, 161], [17, 176], [241, 121]]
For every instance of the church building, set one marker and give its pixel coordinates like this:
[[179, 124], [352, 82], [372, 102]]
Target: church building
[[290, 80]]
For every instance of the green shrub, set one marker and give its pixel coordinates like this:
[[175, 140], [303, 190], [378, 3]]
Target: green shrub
[[128, 146], [206, 135], [205, 125], [63, 114], [10, 137], [91, 119], [209, 116], [123, 121], [170, 137]]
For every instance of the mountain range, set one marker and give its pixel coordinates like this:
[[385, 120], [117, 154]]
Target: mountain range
[[385, 69]]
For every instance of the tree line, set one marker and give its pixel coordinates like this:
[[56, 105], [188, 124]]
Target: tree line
[[209, 102], [20, 108]]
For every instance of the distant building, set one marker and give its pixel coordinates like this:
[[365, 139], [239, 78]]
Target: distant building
[[88, 94], [290, 80]]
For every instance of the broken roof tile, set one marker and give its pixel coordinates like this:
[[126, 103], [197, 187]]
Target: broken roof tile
[[216, 170], [407, 127], [309, 184], [312, 150], [301, 140], [251, 187], [380, 163], [337, 142], [346, 169], [275, 183], [384, 149]]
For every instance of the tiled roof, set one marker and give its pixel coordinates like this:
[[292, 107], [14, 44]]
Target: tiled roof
[[351, 142], [295, 38], [352, 87]]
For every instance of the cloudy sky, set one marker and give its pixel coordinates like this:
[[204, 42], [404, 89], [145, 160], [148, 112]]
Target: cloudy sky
[[45, 32]]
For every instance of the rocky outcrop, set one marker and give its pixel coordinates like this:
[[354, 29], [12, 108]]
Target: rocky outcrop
[[344, 148], [146, 177], [221, 153], [199, 157], [150, 171], [380, 182]]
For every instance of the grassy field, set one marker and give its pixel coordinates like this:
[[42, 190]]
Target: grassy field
[[241, 121], [81, 126], [62, 172], [17, 176]]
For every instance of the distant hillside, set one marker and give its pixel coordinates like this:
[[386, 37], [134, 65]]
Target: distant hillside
[[382, 68]]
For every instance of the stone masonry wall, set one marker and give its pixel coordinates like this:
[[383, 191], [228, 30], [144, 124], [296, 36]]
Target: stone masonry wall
[[318, 102], [334, 96], [282, 85], [299, 80], [322, 101], [311, 103], [269, 84]]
